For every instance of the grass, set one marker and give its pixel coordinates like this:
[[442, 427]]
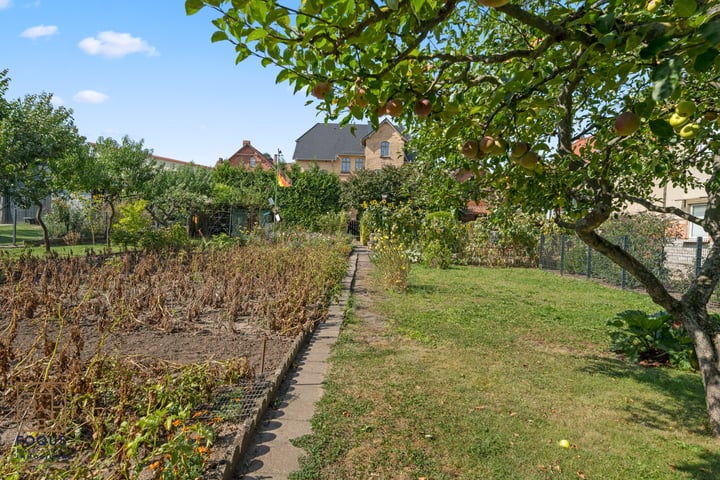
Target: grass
[[34, 233], [24, 231], [478, 374]]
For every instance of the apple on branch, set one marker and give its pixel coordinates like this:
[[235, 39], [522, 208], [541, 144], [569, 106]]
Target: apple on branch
[[627, 123]]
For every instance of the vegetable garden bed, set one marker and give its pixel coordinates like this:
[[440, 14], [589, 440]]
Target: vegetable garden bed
[[144, 365]]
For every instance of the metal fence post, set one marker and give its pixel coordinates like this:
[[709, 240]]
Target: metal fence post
[[623, 278], [589, 262], [562, 254], [698, 256], [540, 250]]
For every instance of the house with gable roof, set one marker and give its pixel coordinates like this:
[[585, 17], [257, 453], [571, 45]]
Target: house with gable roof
[[249, 158], [345, 150]]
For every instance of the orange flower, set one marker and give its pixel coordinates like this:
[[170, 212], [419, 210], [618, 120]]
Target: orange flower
[[177, 423], [155, 465]]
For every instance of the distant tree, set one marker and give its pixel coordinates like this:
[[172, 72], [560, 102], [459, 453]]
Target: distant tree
[[39, 145], [390, 182], [116, 170], [249, 189], [173, 194], [312, 194]]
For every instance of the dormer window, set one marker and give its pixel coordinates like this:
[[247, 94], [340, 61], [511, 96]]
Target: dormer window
[[385, 149]]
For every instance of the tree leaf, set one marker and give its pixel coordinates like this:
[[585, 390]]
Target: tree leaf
[[661, 128], [665, 78], [193, 6], [218, 36], [704, 61]]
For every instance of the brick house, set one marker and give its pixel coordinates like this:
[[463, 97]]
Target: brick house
[[349, 149], [249, 158]]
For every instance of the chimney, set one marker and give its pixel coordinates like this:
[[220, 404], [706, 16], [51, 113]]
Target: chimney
[[246, 143]]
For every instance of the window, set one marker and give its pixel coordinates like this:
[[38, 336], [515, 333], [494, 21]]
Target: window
[[345, 165], [698, 211], [385, 149], [359, 164], [252, 162]]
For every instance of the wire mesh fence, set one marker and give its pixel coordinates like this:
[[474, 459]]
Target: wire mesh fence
[[674, 262]]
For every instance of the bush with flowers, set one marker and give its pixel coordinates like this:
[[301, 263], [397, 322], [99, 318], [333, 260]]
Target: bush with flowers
[[443, 239], [392, 262]]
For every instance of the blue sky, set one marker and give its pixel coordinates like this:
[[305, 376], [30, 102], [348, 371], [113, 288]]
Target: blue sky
[[143, 68]]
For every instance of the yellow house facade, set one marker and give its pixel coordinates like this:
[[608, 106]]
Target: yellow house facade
[[345, 150]]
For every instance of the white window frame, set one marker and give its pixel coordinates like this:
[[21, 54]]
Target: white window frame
[[253, 162], [695, 231], [359, 164]]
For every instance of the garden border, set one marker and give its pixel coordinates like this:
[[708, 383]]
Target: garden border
[[228, 465]]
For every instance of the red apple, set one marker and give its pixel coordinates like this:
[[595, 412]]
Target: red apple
[[394, 108], [627, 123], [360, 98], [470, 148], [423, 107], [320, 90]]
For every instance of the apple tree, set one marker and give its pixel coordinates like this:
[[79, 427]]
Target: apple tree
[[575, 107], [39, 148], [114, 171]]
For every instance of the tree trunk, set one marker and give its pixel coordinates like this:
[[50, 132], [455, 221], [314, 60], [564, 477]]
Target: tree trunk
[[46, 235], [706, 338], [108, 227]]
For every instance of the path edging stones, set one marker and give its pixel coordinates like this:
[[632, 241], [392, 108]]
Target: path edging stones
[[233, 455]]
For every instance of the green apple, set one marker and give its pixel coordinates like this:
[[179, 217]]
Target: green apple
[[627, 123], [499, 146], [529, 160], [564, 443], [685, 108], [519, 149], [690, 131], [677, 121], [653, 5], [486, 144]]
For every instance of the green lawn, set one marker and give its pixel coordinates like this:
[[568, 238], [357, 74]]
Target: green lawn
[[481, 372], [23, 232], [34, 234]]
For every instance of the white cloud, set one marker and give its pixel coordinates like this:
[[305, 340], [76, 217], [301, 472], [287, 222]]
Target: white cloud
[[57, 101], [115, 45], [90, 96], [4, 4], [39, 31]]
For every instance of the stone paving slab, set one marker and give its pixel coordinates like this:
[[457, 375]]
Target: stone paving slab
[[270, 455]]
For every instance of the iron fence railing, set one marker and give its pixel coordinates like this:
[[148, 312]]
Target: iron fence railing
[[675, 262]]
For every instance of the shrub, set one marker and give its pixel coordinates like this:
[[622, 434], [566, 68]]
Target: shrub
[[503, 239], [652, 339], [133, 224], [392, 263], [442, 239], [173, 237], [399, 221], [332, 223]]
